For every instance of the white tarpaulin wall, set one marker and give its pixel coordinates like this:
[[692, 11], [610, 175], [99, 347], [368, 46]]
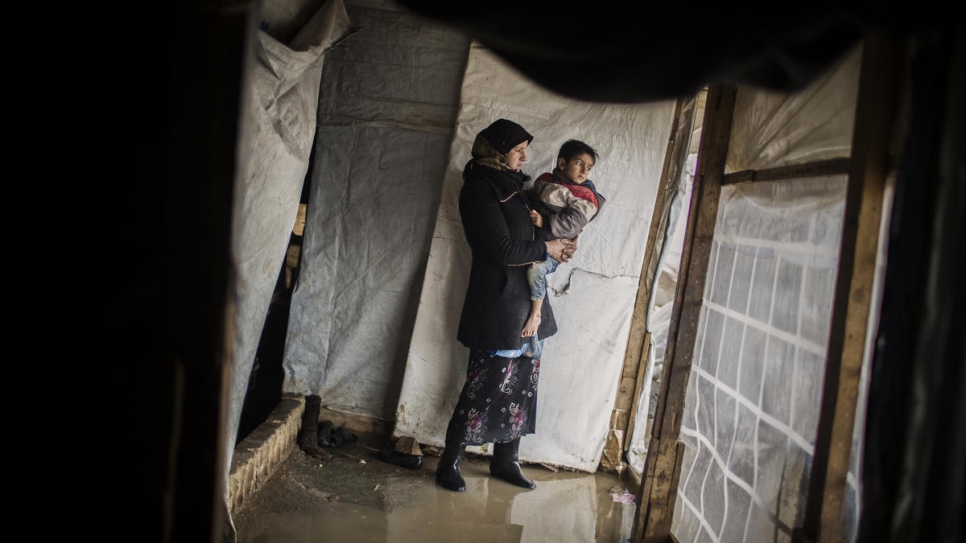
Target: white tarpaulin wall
[[387, 107], [592, 296], [753, 400], [278, 141]]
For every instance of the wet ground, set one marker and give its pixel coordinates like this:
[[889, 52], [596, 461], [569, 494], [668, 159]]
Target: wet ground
[[356, 497]]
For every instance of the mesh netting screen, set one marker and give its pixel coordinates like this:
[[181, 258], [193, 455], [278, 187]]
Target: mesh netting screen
[[754, 394]]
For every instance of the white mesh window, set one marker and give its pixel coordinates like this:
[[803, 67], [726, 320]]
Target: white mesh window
[[753, 399]]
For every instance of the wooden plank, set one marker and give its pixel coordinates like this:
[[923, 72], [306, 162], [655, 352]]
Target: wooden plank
[[662, 515], [874, 123], [675, 481], [299, 227], [694, 257], [647, 483], [671, 457], [635, 354], [833, 166], [618, 417], [682, 330], [663, 473], [639, 387], [737, 178]]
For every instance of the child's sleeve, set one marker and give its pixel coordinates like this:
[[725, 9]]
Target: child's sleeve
[[568, 223], [571, 214]]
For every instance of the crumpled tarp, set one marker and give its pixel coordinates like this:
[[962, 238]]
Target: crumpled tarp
[[282, 113], [386, 113]]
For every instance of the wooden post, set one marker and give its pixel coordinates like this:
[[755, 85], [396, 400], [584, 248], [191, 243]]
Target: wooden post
[[638, 341], [872, 135], [659, 488]]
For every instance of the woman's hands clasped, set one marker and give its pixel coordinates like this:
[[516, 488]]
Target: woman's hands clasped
[[559, 249], [562, 249]]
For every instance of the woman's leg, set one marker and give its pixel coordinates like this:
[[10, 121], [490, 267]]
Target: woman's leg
[[506, 464], [464, 424], [497, 404], [448, 470]]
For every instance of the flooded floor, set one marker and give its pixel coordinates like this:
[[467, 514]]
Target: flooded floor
[[355, 497]]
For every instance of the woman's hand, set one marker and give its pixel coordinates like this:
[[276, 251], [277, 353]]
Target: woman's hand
[[561, 249]]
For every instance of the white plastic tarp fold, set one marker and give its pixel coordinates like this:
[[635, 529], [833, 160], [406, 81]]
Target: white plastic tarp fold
[[386, 112], [280, 131]]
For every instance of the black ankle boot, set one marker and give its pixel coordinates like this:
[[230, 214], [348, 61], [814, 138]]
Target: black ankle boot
[[448, 470], [505, 464]]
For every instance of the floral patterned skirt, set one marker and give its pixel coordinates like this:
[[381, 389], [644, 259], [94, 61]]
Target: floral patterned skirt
[[498, 402]]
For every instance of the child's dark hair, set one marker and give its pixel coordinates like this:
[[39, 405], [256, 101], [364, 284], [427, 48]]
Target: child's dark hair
[[572, 148]]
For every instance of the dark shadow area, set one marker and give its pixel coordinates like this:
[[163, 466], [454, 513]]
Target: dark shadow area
[[267, 376], [265, 381]]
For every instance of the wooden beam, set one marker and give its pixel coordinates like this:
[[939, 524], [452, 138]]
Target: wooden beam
[[636, 353], [874, 123], [639, 387], [658, 493], [832, 166]]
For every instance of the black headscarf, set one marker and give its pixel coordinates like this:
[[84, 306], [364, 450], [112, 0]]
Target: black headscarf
[[504, 135], [495, 141]]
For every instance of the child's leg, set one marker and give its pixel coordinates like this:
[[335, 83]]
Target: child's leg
[[537, 276], [533, 321]]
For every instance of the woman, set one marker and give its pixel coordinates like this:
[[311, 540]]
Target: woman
[[499, 397]]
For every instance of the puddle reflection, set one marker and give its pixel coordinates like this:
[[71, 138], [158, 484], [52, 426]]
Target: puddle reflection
[[565, 507]]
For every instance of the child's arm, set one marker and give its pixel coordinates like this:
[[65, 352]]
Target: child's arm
[[574, 212]]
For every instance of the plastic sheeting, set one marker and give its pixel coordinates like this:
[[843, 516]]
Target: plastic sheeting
[[387, 107], [754, 395], [284, 98], [592, 296], [778, 129], [659, 316]]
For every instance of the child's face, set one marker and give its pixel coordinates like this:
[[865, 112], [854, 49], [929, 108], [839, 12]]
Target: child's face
[[577, 168]]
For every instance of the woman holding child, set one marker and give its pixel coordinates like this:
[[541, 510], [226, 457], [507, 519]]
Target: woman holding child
[[499, 397]]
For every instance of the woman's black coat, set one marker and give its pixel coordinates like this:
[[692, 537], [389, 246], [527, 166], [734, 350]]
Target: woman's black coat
[[496, 221]]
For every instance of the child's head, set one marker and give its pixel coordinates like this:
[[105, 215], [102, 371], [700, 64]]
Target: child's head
[[575, 159]]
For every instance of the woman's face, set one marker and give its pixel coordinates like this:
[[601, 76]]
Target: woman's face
[[517, 156]]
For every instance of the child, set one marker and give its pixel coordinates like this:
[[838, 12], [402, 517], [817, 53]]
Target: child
[[565, 201]]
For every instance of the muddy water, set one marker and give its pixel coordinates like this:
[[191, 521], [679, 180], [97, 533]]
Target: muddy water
[[565, 507]]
